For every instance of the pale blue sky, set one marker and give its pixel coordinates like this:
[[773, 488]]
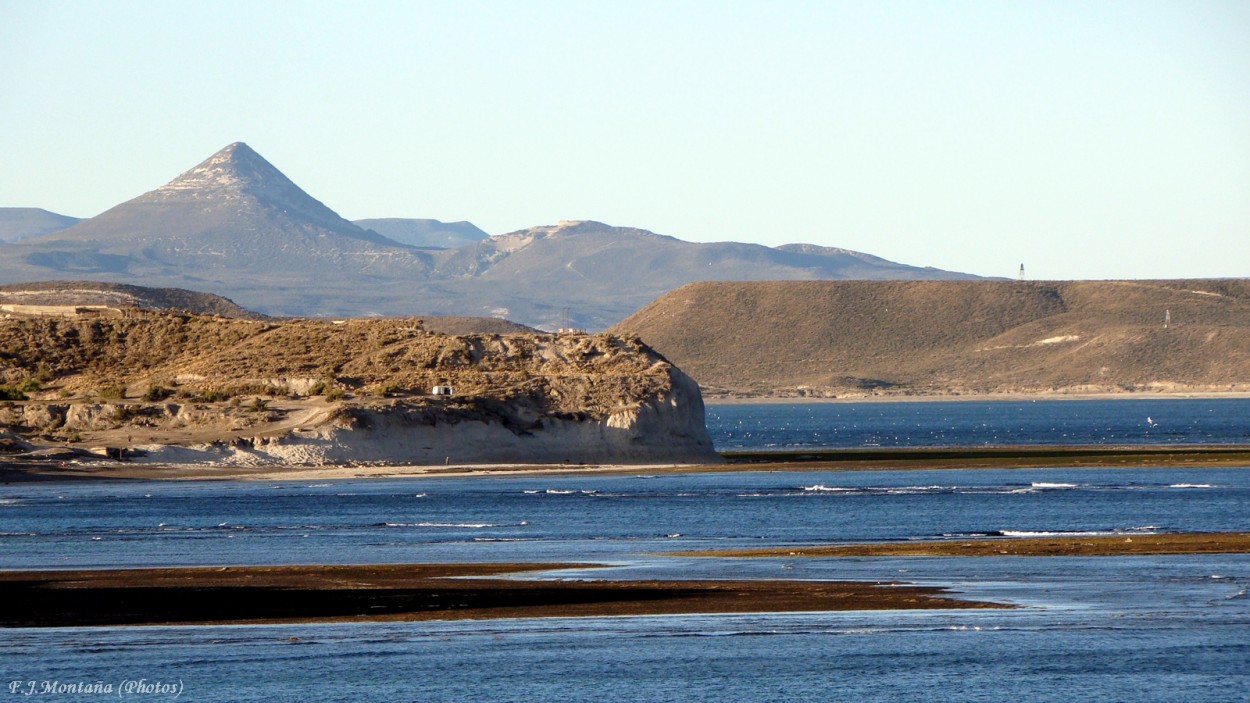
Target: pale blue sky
[[1084, 139]]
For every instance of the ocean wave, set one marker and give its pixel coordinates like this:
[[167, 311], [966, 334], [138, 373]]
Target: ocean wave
[[820, 488], [1046, 484], [1143, 529], [1147, 529], [1192, 485]]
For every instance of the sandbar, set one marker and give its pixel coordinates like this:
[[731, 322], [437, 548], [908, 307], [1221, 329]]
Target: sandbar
[[401, 592], [22, 469], [1059, 545]]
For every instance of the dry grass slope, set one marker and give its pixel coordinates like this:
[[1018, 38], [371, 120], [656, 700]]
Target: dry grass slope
[[198, 356], [941, 337]]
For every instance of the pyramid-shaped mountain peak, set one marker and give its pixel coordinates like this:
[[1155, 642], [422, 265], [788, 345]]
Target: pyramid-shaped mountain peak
[[235, 168]]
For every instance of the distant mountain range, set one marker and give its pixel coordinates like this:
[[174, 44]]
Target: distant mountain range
[[866, 338], [23, 222], [425, 233], [236, 226]]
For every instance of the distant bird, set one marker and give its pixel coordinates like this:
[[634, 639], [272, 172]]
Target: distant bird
[[1151, 422]]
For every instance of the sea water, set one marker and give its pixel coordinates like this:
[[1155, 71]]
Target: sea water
[[1139, 628], [1152, 421]]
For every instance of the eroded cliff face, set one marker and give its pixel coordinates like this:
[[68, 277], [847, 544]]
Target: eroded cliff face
[[188, 389]]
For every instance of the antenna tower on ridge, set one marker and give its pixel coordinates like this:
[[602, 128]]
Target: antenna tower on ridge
[[1021, 272], [566, 323]]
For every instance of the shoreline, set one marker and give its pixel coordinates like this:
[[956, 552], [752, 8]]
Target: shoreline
[[408, 592], [1050, 546], [883, 459]]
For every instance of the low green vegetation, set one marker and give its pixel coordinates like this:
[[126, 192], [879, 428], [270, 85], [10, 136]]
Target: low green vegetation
[[156, 393], [11, 392]]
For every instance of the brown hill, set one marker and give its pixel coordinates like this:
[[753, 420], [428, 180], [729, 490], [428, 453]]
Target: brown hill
[[829, 338], [120, 295], [196, 355]]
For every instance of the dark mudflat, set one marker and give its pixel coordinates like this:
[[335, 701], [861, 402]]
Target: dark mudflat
[[258, 594]]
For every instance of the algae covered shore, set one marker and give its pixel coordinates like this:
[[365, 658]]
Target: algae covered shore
[[308, 593]]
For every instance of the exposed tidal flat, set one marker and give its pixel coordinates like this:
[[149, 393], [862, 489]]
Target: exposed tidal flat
[[1153, 627]]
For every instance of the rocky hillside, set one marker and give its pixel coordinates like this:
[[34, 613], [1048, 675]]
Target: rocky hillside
[[855, 338], [222, 389]]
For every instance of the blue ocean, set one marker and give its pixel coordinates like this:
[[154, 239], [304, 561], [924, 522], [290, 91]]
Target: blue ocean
[[1134, 628]]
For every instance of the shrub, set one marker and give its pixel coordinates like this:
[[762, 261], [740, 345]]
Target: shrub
[[214, 395], [318, 388], [335, 394], [11, 392], [44, 372], [258, 405], [123, 413], [112, 392], [30, 385], [383, 390], [157, 393], [261, 389]]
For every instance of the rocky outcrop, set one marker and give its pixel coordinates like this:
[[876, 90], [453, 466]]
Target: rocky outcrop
[[666, 427], [184, 389]]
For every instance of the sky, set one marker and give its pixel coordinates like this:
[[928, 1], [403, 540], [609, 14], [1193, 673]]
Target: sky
[[1085, 139]]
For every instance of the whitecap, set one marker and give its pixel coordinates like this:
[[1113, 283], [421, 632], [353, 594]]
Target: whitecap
[[1030, 533], [819, 488], [462, 525], [1191, 485], [1044, 484]]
